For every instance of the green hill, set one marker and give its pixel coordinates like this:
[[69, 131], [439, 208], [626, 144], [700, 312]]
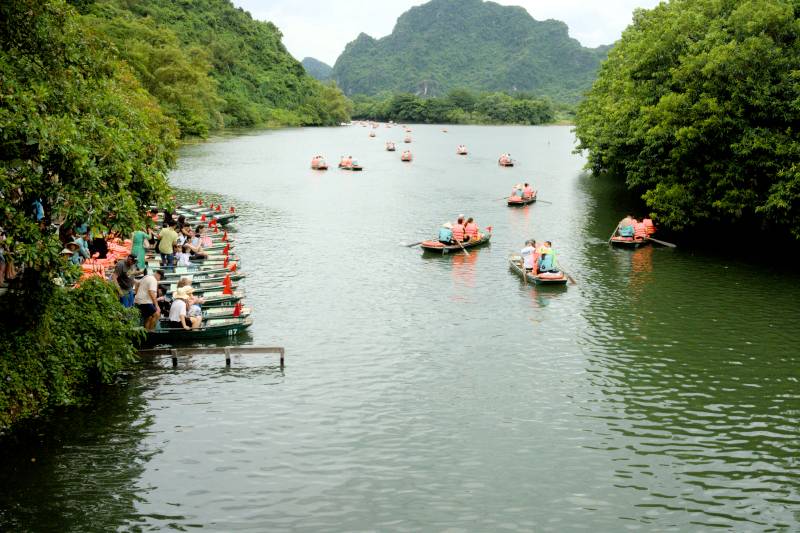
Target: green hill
[[317, 69], [210, 64], [470, 44]]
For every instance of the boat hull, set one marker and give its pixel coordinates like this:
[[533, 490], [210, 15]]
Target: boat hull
[[212, 328], [515, 264], [627, 242], [520, 202]]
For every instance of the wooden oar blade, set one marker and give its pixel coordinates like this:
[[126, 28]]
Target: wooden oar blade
[[663, 243]]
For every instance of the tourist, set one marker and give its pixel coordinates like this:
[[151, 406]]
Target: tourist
[[75, 258], [166, 245], [195, 244], [547, 258], [183, 258], [529, 256], [123, 274], [146, 299], [471, 229], [458, 229], [527, 192], [139, 246], [167, 218], [446, 233], [626, 226], [178, 311], [82, 239]]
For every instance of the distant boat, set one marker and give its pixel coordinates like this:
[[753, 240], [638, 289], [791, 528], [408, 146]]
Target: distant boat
[[406, 156], [390, 147], [461, 150], [372, 134], [505, 161], [407, 139], [318, 163], [516, 201]]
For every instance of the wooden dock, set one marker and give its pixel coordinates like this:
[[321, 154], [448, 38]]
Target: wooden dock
[[156, 354]]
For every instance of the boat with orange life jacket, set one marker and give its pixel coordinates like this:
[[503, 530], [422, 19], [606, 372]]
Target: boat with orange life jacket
[[406, 156], [319, 163], [505, 161], [461, 149], [407, 139], [434, 246], [642, 230], [542, 278], [390, 147], [520, 201], [350, 164]]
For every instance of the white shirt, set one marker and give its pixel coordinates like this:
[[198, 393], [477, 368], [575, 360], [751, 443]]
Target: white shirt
[[177, 310], [527, 256], [146, 285], [183, 259]]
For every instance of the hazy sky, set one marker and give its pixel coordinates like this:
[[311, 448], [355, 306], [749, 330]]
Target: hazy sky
[[322, 28]]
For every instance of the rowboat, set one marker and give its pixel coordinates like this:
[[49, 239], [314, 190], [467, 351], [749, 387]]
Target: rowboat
[[543, 278], [218, 299], [390, 147], [407, 140], [506, 162], [204, 278], [319, 164], [516, 201], [406, 157], [439, 248], [226, 312], [201, 288], [205, 270], [628, 242], [211, 328], [355, 167], [461, 150]]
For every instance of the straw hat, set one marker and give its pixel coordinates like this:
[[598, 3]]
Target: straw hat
[[447, 225], [66, 251], [183, 293]]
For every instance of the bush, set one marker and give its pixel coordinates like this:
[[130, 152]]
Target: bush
[[77, 338]]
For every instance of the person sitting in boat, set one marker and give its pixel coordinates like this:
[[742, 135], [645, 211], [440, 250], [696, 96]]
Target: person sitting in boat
[[200, 234], [193, 302], [458, 230], [195, 244], [529, 256], [471, 230], [178, 317], [446, 233], [625, 227], [547, 258], [527, 192], [518, 190]]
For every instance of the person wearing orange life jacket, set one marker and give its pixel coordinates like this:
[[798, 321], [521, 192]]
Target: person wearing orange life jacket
[[458, 230], [639, 231], [471, 230], [527, 192]]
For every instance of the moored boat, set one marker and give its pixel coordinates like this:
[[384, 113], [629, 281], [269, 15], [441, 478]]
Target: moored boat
[[543, 278], [437, 247], [210, 328], [407, 139]]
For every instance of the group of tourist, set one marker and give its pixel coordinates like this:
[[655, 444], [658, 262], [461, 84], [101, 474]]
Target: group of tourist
[[183, 309], [538, 259], [630, 228], [463, 230], [522, 191], [347, 162]]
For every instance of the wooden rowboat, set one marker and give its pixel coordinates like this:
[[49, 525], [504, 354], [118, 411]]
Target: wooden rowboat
[[439, 248], [628, 242], [516, 201], [211, 328], [544, 278]]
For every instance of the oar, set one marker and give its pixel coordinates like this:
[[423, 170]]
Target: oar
[[412, 245], [570, 278], [663, 243], [545, 201], [613, 233], [462, 247]]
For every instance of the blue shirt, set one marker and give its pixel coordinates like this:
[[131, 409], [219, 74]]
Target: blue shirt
[[445, 234]]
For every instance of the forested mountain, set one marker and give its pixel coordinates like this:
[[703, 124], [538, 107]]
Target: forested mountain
[[469, 44], [210, 64], [317, 69]]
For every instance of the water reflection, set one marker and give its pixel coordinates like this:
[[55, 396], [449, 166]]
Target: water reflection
[[698, 399]]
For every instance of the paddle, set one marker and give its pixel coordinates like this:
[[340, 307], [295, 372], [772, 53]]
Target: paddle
[[663, 243], [613, 233], [570, 278], [545, 201], [414, 244], [462, 247]]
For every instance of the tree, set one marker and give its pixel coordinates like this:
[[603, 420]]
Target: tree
[[697, 108]]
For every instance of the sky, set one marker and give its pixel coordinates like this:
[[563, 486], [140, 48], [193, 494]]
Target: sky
[[322, 28]]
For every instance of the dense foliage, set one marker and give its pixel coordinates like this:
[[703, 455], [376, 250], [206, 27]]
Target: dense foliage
[[80, 135], [210, 64], [458, 107], [317, 69], [483, 46], [77, 338], [698, 109]]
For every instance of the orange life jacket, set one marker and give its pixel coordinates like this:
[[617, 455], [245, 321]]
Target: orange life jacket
[[648, 226], [471, 229], [458, 232], [639, 230], [528, 192]]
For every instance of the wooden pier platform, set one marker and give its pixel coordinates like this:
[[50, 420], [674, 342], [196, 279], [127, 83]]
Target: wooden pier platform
[[173, 353]]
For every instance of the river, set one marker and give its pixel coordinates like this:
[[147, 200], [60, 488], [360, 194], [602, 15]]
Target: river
[[659, 392]]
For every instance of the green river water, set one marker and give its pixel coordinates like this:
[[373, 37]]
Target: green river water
[[424, 393]]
